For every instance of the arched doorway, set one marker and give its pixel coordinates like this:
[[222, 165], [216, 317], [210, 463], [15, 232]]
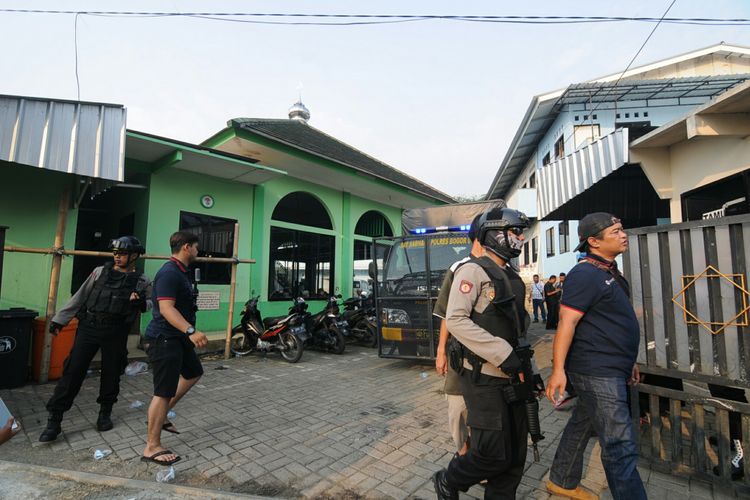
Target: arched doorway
[[371, 224], [301, 261]]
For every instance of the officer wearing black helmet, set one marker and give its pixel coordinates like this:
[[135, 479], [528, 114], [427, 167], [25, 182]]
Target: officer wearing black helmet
[[106, 305], [486, 315]]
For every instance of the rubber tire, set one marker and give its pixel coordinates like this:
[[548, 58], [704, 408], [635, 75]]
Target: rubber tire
[[373, 335], [340, 345], [290, 340], [240, 345]]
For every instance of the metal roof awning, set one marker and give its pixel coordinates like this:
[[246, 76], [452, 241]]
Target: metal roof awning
[[73, 137], [563, 180], [163, 152]]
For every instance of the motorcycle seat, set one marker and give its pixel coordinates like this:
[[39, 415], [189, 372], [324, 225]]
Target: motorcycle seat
[[272, 320]]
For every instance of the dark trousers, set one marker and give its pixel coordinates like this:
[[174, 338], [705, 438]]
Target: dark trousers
[[497, 449], [603, 410], [553, 312], [538, 306], [113, 343]]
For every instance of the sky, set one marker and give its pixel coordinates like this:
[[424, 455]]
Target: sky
[[439, 100]]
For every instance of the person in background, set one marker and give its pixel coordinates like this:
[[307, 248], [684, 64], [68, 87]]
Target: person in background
[[537, 299], [106, 305], [456, 405], [552, 298]]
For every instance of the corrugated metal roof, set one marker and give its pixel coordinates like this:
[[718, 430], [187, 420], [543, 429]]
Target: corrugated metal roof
[[75, 137]]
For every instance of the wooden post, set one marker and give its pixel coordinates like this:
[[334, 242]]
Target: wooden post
[[232, 289], [54, 282]]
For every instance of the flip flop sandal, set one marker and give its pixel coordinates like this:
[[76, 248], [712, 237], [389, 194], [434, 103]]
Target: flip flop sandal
[[169, 427], [153, 459]]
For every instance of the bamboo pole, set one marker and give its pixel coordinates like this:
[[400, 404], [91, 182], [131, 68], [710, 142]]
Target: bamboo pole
[[232, 289], [54, 282], [91, 253]]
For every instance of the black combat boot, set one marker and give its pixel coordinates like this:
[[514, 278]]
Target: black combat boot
[[53, 428], [104, 422], [443, 490]]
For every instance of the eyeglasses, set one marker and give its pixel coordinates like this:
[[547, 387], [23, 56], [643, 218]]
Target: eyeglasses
[[518, 231]]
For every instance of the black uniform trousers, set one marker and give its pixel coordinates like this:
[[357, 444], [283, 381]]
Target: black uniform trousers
[[112, 340], [498, 444]]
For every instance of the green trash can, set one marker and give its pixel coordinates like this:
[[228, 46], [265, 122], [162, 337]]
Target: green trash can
[[15, 342]]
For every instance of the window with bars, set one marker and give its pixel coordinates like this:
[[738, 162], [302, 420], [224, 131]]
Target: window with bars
[[550, 233], [564, 231], [215, 239], [534, 249], [300, 264]]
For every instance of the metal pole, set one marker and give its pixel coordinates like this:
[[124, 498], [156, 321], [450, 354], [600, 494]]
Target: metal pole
[[54, 282], [232, 289], [91, 253]]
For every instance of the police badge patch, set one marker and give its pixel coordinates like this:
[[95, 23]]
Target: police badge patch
[[466, 286], [491, 294]]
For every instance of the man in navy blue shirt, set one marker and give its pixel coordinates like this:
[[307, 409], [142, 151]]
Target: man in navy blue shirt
[[595, 349], [172, 341]]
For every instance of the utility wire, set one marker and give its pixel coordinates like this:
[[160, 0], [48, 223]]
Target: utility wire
[[379, 18]]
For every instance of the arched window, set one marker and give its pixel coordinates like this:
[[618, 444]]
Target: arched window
[[302, 208], [301, 262], [373, 224]]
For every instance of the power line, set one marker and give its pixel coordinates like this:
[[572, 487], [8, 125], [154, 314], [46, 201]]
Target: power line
[[356, 19]]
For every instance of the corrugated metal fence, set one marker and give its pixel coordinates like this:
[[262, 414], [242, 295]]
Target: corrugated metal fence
[[689, 288]]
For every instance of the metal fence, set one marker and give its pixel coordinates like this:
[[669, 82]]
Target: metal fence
[[689, 289]]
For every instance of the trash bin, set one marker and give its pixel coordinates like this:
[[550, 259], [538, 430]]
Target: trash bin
[[15, 340], [61, 347]]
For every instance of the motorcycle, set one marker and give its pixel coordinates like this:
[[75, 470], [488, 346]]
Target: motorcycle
[[286, 334], [359, 313], [327, 329]]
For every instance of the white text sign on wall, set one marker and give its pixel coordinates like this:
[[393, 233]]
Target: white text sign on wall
[[208, 301]]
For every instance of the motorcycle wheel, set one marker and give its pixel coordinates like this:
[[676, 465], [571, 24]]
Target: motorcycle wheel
[[339, 345], [294, 348], [373, 340], [240, 344]]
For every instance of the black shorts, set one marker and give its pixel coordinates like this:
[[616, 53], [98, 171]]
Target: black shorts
[[171, 357]]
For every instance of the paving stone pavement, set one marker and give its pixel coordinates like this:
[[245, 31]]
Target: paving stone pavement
[[351, 426]]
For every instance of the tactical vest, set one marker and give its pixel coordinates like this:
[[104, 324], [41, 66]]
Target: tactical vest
[[110, 297], [502, 318]]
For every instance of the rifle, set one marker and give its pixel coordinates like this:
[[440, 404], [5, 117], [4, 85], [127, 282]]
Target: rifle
[[531, 384]]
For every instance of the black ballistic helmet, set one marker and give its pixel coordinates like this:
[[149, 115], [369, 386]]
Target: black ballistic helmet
[[493, 231], [128, 244]]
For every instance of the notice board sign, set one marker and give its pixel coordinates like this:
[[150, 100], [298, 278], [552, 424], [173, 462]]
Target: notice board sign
[[208, 301]]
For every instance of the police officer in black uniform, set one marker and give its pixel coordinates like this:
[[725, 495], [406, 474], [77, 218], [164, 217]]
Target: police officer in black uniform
[[486, 315], [106, 305]]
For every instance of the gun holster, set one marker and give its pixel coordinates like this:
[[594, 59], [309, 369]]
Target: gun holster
[[456, 355], [516, 392]]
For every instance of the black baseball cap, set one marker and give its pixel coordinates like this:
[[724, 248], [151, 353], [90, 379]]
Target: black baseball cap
[[591, 225]]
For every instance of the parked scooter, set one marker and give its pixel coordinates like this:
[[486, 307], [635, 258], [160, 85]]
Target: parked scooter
[[327, 329], [359, 313], [286, 334]]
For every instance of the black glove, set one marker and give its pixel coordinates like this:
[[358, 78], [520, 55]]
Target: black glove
[[512, 364], [54, 328], [538, 384]]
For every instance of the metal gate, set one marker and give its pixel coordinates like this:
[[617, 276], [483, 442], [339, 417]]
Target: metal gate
[[690, 292]]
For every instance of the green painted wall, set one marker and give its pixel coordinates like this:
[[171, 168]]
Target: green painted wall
[[172, 191], [29, 202]]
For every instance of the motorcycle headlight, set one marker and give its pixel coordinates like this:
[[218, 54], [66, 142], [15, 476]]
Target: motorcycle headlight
[[395, 316]]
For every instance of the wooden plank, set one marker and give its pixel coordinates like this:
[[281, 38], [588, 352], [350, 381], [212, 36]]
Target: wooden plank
[[657, 450], [713, 401], [746, 445], [667, 312], [726, 343], [675, 418], [698, 443], [715, 314], [654, 300], [636, 297], [742, 255], [635, 413], [697, 377], [722, 427], [701, 307], [680, 333]]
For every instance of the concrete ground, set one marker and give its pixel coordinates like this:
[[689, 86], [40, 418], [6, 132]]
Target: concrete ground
[[352, 426]]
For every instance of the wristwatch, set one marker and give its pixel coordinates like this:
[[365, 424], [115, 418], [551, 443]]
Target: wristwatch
[[190, 330]]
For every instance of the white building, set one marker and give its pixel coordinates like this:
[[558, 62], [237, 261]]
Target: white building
[[570, 155]]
